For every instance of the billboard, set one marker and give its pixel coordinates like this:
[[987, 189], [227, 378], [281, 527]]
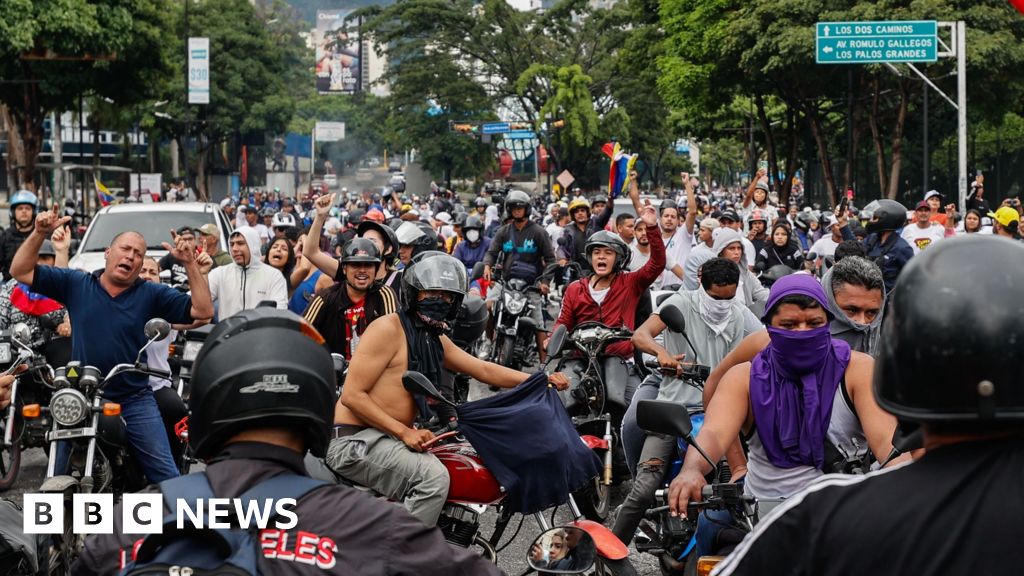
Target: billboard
[[338, 54]]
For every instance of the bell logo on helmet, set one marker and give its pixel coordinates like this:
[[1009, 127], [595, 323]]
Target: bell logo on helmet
[[447, 275], [276, 383]]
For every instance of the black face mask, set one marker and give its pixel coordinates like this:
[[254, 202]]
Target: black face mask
[[434, 311]]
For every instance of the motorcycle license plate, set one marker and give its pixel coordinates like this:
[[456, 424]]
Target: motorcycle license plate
[[71, 433], [5, 352]]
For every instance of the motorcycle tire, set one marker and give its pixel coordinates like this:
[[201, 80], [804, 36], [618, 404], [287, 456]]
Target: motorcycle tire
[[506, 353], [10, 465], [10, 456], [608, 567], [594, 501]]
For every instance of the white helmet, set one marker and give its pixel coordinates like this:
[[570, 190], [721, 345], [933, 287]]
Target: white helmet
[[408, 233]]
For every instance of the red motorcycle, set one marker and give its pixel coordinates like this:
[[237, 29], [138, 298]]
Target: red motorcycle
[[473, 488]]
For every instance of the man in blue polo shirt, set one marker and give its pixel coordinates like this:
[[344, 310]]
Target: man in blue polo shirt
[[109, 309]]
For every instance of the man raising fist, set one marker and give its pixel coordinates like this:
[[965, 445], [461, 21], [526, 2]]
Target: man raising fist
[[109, 309]]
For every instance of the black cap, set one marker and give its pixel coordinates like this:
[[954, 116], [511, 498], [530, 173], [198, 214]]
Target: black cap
[[730, 215]]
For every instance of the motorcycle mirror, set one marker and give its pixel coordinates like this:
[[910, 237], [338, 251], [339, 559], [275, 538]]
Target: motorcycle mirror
[[417, 383], [478, 271], [673, 318], [811, 256], [550, 269], [340, 363], [557, 341], [663, 417], [21, 333], [562, 550], [563, 241], [157, 329], [667, 417]]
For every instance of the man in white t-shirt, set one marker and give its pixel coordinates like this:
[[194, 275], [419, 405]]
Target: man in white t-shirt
[[826, 245], [556, 229], [252, 221], [678, 238], [641, 250], [923, 232]]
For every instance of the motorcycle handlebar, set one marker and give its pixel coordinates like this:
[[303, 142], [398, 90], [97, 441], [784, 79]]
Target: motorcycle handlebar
[[690, 370]]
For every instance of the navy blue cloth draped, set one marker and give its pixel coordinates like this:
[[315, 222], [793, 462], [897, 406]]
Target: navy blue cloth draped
[[528, 442]]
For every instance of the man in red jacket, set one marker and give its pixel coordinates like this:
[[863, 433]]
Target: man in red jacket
[[610, 295]]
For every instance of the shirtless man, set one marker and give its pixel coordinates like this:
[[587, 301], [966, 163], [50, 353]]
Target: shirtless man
[[374, 442]]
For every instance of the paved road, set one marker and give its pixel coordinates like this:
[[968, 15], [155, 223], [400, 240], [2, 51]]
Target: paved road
[[512, 559]]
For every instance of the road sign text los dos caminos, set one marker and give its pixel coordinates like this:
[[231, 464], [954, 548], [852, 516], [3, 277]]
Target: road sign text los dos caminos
[[876, 42]]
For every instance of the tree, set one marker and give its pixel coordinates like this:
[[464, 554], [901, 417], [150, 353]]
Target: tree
[[54, 51], [248, 68]]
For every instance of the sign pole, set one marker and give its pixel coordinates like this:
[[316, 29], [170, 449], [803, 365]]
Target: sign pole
[[961, 97]]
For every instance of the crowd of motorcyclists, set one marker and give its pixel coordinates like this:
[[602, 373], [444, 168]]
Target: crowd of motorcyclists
[[786, 307]]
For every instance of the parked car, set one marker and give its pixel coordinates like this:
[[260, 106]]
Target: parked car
[[155, 221]]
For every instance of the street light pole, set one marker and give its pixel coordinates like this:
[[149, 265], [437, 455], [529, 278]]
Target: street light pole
[[184, 137]]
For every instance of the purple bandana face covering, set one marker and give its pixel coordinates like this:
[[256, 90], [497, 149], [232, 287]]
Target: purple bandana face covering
[[793, 382]]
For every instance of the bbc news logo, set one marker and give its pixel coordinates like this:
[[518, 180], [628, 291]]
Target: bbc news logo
[[144, 513]]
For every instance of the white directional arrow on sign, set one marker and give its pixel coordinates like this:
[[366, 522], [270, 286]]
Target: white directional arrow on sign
[[827, 49], [826, 30]]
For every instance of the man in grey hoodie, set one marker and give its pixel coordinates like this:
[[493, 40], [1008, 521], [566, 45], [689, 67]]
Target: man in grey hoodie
[[247, 281]]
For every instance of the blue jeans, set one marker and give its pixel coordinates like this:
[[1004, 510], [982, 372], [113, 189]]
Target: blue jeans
[[632, 435], [147, 438]]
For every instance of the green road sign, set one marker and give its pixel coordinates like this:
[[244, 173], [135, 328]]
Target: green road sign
[[875, 42]]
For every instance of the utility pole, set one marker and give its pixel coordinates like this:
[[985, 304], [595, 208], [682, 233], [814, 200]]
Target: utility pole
[[184, 137]]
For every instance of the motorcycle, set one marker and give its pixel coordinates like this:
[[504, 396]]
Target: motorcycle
[[676, 537], [96, 449], [183, 353], [473, 488], [30, 387], [596, 402], [515, 331]]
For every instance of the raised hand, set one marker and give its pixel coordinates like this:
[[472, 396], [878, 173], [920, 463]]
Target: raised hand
[[183, 249], [48, 221], [61, 239], [648, 214], [323, 205]]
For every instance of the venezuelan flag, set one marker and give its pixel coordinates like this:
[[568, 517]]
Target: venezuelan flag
[[102, 192], [621, 166]]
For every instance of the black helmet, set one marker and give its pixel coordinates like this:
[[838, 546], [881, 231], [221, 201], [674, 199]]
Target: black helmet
[[434, 270], [951, 344], [517, 198], [360, 250], [460, 220], [390, 238], [261, 368], [883, 215], [611, 240], [600, 198]]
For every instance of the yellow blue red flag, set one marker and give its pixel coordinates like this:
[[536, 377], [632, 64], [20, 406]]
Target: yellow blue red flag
[[102, 192], [621, 165]]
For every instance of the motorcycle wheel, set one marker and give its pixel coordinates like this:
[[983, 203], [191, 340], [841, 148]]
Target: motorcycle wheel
[[594, 501], [506, 353], [607, 567], [64, 548], [10, 456]]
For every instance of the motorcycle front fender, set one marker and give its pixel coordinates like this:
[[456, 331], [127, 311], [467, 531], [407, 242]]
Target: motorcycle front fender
[[527, 326], [608, 545], [59, 485]]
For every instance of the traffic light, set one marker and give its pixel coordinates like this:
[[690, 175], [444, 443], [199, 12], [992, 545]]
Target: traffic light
[[464, 128], [520, 126], [556, 125]]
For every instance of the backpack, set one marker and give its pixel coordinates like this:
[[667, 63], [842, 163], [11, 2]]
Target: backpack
[[209, 551]]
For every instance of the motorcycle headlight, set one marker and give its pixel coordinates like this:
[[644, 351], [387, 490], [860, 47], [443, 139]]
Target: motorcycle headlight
[[192, 348], [514, 303], [68, 407]]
